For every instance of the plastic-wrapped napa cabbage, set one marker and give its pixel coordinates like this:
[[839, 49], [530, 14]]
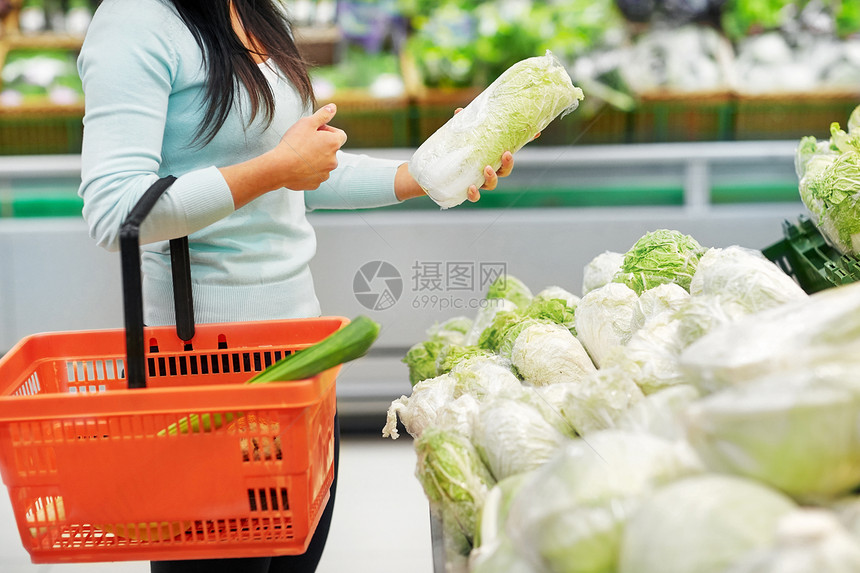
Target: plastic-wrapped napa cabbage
[[702, 523], [569, 514], [660, 414], [795, 431], [513, 437], [478, 376], [660, 257], [593, 403], [558, 293], [418, 410], [547, 353], [745, 277], [815, 330], [504, 117], [494, 552], [456, 483], [604, 319], [661, 300], [486, 315], [806, 540], [829, 174], [601, 270]]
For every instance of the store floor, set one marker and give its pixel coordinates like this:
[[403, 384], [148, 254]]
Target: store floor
[[381, 520]]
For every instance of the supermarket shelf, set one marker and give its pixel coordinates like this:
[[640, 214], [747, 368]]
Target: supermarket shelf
[[696, 169], [47, 41]]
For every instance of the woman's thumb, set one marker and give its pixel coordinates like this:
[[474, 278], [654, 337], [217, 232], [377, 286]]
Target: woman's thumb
[[325, 114]]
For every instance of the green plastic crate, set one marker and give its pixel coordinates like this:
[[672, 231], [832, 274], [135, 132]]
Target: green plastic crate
[[806, 256]]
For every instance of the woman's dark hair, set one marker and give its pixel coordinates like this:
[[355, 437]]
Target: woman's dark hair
[[229, 63]]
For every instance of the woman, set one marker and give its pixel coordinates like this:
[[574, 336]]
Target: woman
[[215, 93]]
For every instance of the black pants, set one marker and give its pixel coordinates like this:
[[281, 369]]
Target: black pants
[[305, 563]]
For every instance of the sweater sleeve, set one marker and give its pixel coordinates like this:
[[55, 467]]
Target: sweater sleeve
[[128, 66], [358, 182]]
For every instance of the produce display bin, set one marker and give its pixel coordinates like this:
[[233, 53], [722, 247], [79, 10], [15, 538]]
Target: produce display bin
[[319, 45], [145, 443], [588, 126], [677, 117], [433, 107], [42, 130], [791, 116], [372, 121], [437, 543], [805, 255]]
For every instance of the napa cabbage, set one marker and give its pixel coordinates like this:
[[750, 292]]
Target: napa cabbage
[[829, 183], [701, 523], [518, 105], [659, 257]]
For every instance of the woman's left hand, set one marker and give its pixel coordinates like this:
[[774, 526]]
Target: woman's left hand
[[491, 177]]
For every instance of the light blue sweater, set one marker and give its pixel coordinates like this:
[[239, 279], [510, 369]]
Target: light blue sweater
[[144, 90]]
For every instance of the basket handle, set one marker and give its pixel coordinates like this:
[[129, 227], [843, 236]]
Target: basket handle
[[132, 288]]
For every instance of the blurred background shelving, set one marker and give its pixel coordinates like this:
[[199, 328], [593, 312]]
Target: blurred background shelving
[[652, 70]]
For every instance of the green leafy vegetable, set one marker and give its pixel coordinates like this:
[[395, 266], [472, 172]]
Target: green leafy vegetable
[[429, 358], [455, 480], [504, 117], [510, 288], [701, 523], [829, 183], [659, 257], [604, 319], [809, 539], [545, 353], [601, 270], [744, 277], [795, 431], [569, 514], [455, 355], [421, 358]]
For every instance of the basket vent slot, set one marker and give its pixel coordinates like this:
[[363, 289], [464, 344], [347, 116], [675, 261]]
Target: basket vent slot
[[89, 376], [212, 363], [44, 513], [268, 499], [30, 387]]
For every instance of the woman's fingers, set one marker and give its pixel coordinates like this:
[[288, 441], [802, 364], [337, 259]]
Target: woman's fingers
[[336, 131], [491, 179], [507, 164]]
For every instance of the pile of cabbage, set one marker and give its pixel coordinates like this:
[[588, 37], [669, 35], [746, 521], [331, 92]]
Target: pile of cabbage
[[692, 410], [829, 174]]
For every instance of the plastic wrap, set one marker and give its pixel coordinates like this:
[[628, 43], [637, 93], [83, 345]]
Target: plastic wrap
[[703, 524], [795, 431], [819, 329], [504, 117]]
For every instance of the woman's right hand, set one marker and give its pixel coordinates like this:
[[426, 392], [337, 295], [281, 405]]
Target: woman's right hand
[[308, 150], [302, 160]]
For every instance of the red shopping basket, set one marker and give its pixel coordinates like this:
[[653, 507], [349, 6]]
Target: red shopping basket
[[96, 470]]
